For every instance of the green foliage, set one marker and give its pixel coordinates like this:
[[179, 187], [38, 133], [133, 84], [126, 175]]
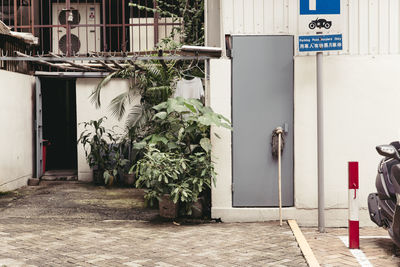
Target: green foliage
[[104, 150], [183, 178], [152, 81], [192, 13], [178, 147], [182, 125], [95, 140], [169, 136], [117, 165], [159, 172]]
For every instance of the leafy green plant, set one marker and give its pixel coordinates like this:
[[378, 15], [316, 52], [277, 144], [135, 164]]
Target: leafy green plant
[[199, 178], [117, 165], [155, 80], [152, 81], [183, 178], [179, 130], [160, 172], [96, 140], [183, 125], [191, 12]]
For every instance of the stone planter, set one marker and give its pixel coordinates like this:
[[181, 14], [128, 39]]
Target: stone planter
[[129, 179], [167, 208]]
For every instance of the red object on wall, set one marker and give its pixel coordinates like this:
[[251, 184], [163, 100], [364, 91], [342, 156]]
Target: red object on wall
[[354, 230], [46, 143]]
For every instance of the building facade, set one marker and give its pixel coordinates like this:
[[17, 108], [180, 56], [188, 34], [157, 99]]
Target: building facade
[[360, 85]]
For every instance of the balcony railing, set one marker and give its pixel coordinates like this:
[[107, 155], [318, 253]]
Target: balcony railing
[[85, 26]]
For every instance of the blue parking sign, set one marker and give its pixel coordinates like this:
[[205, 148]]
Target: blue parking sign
[[319, 7], [318, 43]]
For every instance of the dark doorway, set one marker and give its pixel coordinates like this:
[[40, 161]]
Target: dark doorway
[[59, 123]]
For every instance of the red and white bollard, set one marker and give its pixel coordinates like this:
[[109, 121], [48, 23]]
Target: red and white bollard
[[354, 232]]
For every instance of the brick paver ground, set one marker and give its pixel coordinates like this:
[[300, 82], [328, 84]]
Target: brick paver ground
[[331, 251], [58, 225]]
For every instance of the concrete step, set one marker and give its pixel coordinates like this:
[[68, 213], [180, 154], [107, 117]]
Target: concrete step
[[59, 178], [61, 173]]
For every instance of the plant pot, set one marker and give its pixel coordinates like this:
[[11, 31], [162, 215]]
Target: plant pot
[[129, 179], [110, 181], [98, 178], [167, 208], [197, 209]]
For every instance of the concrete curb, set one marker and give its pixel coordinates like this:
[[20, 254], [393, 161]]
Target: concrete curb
[[303, 244], [33, 182]]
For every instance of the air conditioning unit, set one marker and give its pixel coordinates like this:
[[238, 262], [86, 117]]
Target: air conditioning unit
[[142, 33], [84, 37]]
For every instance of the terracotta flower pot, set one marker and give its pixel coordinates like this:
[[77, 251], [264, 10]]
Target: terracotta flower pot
[[129, 179], [167, 208]]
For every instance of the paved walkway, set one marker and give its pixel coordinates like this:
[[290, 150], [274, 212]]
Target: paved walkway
[[72, 224], [330, 250]]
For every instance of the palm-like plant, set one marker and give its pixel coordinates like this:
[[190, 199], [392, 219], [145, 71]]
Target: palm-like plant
[[152, 80]]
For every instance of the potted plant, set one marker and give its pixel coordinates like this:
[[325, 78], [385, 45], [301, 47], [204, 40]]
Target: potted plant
[[124, 156], [161, 173], [129, 177], [116, 170], [180, 129], [96, 142]]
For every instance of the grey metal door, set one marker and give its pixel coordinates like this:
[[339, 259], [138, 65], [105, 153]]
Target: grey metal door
[[39, 130], [262, 99]]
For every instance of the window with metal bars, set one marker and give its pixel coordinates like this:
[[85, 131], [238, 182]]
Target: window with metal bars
[[86, 26]]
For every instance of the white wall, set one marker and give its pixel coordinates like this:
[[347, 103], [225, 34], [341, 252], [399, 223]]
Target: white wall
[[362, 88], [369, 27], [220, 100], [86, 111], [361, 102], [16, 110]]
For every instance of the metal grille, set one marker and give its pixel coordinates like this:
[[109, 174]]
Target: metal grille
[[9, 45], [86, 26]]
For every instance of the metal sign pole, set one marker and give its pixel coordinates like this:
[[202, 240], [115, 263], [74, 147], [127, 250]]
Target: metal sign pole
[[320, 126], [319, 39]]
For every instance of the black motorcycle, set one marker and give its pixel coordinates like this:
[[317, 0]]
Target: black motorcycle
[[320, 23], [384, 206]]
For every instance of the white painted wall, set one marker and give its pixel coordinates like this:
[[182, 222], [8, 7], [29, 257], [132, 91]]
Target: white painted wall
[[361, 102], [16, 111], [86, 111], [220, 101], [362, 88], [369, 27]]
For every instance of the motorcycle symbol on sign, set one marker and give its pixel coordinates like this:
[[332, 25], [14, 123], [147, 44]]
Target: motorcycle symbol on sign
[[320, 23]]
